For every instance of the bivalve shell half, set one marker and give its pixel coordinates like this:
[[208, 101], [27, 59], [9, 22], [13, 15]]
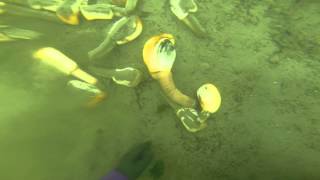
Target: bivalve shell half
[[209, 98]]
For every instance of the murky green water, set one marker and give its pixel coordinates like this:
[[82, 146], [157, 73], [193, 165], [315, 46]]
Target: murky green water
[[264, 56]]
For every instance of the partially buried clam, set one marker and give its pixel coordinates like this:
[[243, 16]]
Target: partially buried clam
[[184, 10], [121, 32]]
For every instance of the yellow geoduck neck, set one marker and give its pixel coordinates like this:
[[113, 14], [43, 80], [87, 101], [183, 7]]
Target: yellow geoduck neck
[[171, 91]]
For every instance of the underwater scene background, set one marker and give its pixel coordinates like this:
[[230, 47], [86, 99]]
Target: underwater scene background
[[264, 57]]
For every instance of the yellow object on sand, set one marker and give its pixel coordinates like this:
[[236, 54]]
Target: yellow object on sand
[[137, 26], [69, 11], [209, 98], [64, 64], [159, 55]]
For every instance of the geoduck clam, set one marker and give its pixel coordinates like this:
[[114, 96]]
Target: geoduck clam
[[159, 55], [121, 32], [184, 10], [209, 99], [101, 10], [68, 11], [62, 63], [59, 61], [195, 119], [130, 77]]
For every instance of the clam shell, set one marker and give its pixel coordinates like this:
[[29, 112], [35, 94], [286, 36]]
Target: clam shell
[[209, 98], [129, 77]]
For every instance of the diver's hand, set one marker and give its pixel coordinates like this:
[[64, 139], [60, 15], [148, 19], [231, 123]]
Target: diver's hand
[[135, 161]]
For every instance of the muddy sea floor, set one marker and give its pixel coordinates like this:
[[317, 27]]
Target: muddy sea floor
[[264, 56]]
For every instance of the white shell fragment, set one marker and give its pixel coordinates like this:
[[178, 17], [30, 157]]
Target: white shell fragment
[[121, 81], [84, 86]]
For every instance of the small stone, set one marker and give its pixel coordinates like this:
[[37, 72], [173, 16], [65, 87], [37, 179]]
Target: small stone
[[204, 66]]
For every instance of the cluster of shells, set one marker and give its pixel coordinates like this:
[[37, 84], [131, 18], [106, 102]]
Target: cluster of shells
[[159, 53]]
